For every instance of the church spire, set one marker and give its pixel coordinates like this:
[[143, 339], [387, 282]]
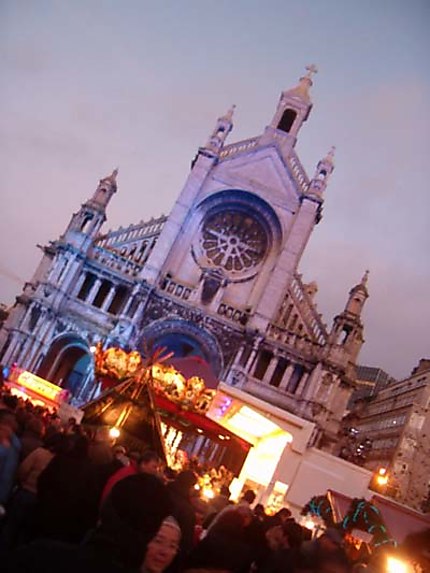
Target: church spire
[[294, 105], [86, 223], [347, 328], [223, 127], [105, 189]]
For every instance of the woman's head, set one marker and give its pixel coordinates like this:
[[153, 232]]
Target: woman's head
[[162, 548], [131, 516]]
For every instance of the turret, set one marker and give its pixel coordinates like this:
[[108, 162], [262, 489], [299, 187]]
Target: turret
[[86, 223], [223, 127], [322, 173], [347, 328]]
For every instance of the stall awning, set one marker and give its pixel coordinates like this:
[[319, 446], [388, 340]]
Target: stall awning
[[190, 418]]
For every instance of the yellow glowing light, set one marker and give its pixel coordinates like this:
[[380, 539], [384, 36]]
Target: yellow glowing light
[[280, 487], [114, 433], [197, 487], [382, 471], [39, 385], [208, 493], [249, 421], [235, 488], [309, 524], [395, 565], [382, 479]]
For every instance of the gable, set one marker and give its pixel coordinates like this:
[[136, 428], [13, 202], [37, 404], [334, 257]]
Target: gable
[[263, 172]]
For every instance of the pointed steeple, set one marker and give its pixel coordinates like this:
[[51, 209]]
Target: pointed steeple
[[347, 328], [357, 296], [294, 105], [223, 127], [86, 223], [105, 189]]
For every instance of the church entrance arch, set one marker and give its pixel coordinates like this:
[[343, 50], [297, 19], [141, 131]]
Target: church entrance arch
[[66, 363], [184, 339]]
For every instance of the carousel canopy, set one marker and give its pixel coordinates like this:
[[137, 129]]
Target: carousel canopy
[[195, 366]]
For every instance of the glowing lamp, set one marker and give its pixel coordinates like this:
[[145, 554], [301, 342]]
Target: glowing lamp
[[208, 493], [114, 433], [395, 565], [382, 477]]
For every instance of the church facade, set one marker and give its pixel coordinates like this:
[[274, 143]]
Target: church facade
[[217, 278]]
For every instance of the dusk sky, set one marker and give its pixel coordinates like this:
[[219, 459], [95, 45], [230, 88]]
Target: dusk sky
[[89, 85]]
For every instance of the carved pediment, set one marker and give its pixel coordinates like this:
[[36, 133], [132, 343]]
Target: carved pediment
[[263, 172]]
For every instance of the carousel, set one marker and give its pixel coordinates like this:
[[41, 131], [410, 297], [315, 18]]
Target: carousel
[[148, 402]]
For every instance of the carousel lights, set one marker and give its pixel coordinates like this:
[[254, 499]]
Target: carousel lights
[[208, 493]]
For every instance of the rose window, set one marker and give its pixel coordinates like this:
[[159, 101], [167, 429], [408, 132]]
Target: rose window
[[234, 240]]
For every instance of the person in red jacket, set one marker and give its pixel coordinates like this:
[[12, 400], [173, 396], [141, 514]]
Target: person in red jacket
[[149, 463]]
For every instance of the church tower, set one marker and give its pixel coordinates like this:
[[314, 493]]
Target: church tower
[[37, 313], [87, 222], [347, 331]]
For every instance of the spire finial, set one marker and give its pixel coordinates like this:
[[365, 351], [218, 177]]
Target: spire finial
[[311, 70], [112, 177], [230, 113], [365, 278], [330, 154]]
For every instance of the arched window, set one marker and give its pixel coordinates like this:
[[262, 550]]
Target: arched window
[[85, 225], [287, 120]]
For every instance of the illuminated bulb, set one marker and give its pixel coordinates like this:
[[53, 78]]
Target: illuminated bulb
[[114, 433], [309, 524], [208, 493], [197, 487], [395, 565], [93, 349]]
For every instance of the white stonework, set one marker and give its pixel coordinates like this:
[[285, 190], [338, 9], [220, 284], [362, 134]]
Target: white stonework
[[217, 277]]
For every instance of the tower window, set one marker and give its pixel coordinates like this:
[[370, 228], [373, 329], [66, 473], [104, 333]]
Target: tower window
[[245, 356], [86, 223], [287, 120], [118, 300], [262, 364], [293, 383], [102, 294], [86, 286], [279, 372]]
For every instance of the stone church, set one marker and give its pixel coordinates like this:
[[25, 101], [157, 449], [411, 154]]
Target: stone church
[[217, 278]]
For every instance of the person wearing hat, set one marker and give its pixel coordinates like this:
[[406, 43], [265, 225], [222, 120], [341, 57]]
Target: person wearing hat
[[163, 548]]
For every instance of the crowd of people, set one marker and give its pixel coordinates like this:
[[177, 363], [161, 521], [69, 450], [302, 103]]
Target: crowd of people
[[71, 501]]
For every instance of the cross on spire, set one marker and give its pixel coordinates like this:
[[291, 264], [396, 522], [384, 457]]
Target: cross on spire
[[311, 69]]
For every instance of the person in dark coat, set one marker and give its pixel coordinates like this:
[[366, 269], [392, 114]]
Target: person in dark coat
[[224, 548], [129, 520], [183, 511], [66, 494]]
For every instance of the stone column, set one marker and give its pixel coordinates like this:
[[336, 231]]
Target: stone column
[[286, 377], [302, 383], [270, 369], [313, 382], [78, 284], [109, 298], [93, 292]]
